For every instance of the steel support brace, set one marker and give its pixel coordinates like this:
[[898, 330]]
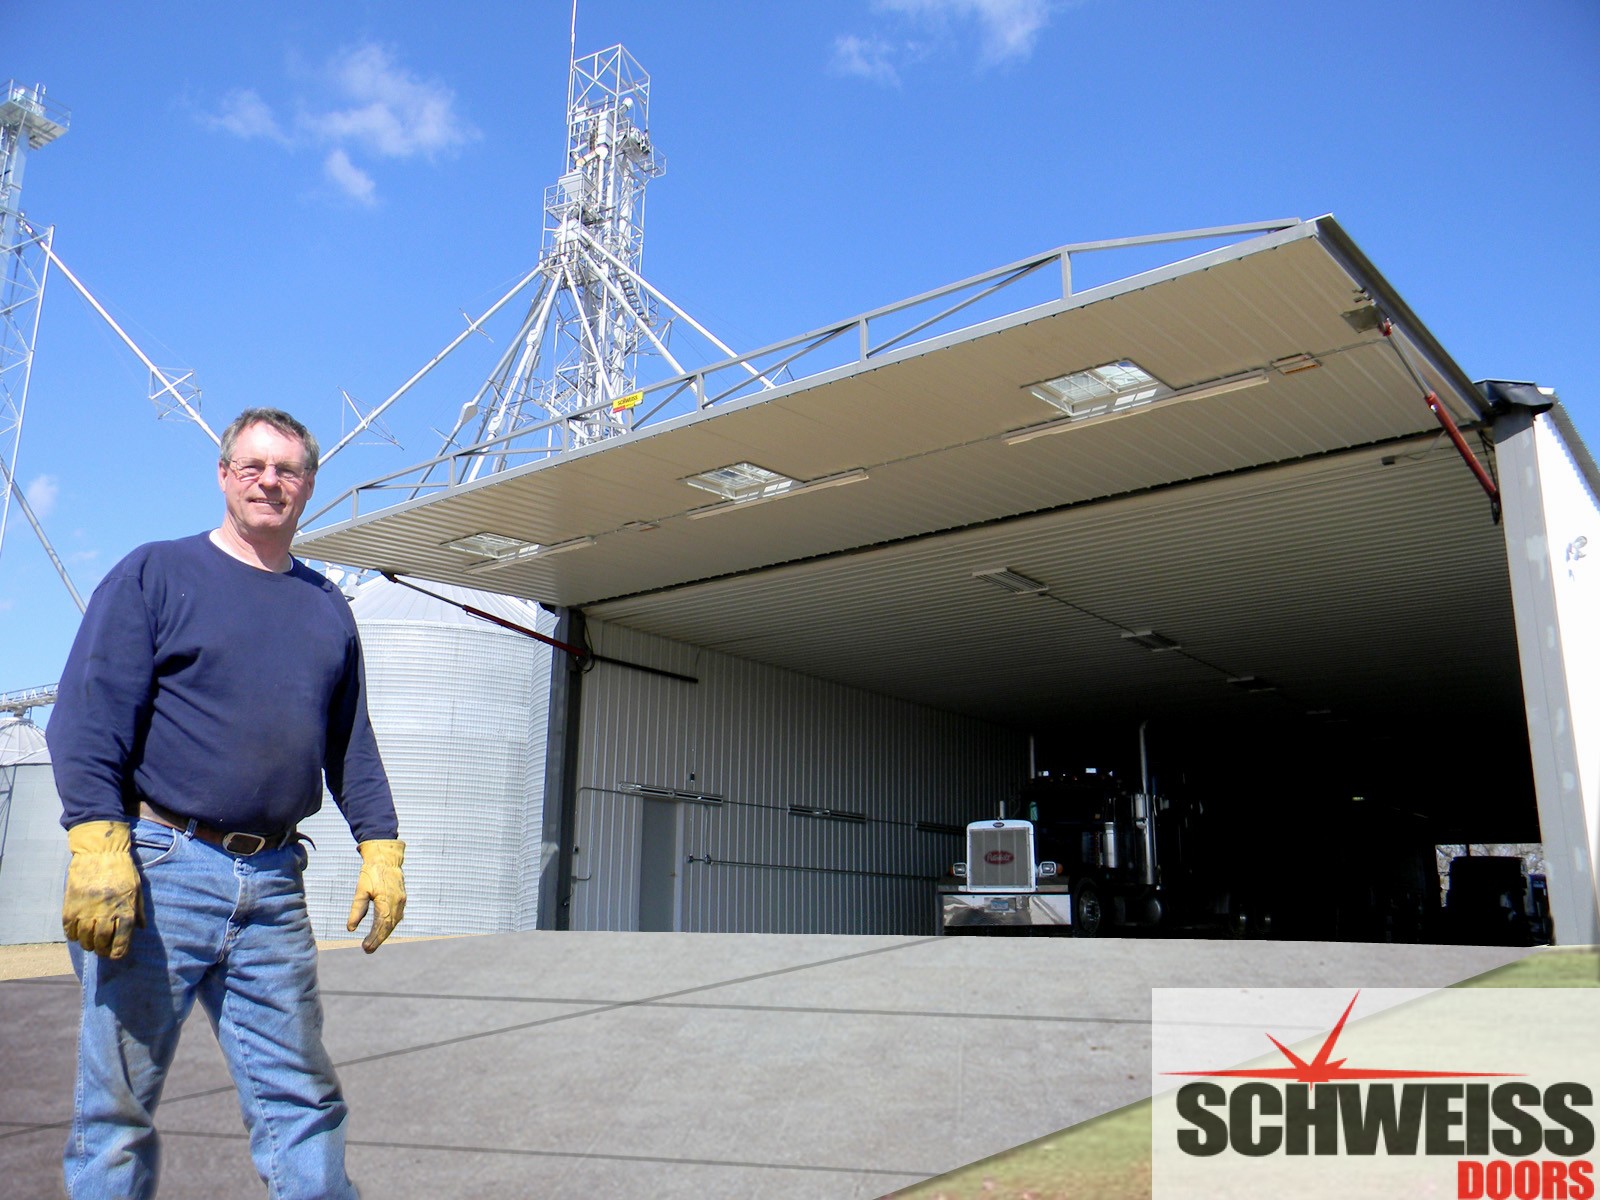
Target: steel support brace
[[1454, 433], [561, 778], [1447, 423], [581, 654], [577, 652]]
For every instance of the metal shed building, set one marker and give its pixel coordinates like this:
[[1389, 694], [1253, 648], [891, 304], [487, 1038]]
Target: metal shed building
[[1220, 496]]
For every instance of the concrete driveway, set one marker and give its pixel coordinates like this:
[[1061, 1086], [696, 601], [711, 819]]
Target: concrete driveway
[[569, 1066]]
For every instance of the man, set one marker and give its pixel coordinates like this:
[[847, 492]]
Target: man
[[214, 683]]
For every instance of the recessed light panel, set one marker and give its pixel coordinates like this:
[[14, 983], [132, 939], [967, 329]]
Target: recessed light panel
[[1151, 640], [741, 481], [490, 545], [1011, 581], [1113, 387]]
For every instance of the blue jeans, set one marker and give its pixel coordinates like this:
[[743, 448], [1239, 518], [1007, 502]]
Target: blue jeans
[[233, 933]]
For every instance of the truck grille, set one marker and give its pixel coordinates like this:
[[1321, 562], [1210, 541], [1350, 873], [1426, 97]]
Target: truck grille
[[1000, 856]]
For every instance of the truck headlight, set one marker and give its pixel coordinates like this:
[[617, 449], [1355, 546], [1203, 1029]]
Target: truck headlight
[[1048, 870], [959, 870]]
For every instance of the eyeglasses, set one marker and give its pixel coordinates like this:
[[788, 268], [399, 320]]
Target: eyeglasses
[[290, 474]]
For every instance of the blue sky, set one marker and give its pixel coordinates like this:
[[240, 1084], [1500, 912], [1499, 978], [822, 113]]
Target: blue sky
[[295, 198]]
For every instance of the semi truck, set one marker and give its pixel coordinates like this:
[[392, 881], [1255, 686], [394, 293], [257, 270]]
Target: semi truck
[[1082, 853], [1085, 853], [1494, 900]]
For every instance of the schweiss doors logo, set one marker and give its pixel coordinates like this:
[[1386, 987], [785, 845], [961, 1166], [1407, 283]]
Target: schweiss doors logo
[[1477, 1095]]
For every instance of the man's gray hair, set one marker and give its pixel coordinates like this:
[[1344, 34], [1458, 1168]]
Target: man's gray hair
[[277, 419]]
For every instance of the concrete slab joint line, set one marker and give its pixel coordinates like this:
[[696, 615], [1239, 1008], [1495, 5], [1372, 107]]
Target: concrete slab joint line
[[599, 1008], [614, 1006], [734, 1065]]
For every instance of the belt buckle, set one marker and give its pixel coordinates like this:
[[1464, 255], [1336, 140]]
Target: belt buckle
[[258, 839]]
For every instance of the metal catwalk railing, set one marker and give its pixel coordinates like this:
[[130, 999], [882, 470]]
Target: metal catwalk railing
[[842, 347]]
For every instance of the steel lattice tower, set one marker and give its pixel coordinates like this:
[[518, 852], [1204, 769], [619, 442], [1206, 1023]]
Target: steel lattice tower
[[26, 123], [573, 368], [593, 314]]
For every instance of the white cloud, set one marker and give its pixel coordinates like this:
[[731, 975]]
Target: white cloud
[[370, 107], [349, 178], [1006, 30], [395, 115], [866, 58], [1009, 27], [246, 115], [41, 494]]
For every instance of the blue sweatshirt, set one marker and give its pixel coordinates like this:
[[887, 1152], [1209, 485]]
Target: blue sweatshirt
[[220, 692]]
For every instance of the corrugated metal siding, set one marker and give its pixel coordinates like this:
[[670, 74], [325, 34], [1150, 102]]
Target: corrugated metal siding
[[1572, 519], [765, 739], [1552, 520], [460, 714], [35, 863], [1321, 577]]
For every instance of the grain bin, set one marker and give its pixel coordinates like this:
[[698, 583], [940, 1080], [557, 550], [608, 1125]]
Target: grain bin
[[33, 846], [459, 706]]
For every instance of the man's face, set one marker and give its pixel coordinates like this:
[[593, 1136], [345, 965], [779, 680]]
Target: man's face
[[268, 505]]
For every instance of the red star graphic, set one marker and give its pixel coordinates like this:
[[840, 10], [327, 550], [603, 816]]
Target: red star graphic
[[1321, 1070]]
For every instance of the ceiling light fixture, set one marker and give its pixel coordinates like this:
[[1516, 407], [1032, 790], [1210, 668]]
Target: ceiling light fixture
[[1220, 387], [1008, 580], [1252, 684], [1100, 389], [792, 488], [488, 545], [741, 481], [1114, 387], [1150, 640], [528, 553]]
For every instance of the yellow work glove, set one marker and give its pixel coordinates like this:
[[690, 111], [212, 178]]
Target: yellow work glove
[[382, 885], [103, 901]]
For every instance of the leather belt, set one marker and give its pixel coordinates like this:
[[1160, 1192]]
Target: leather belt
[[234, 842]]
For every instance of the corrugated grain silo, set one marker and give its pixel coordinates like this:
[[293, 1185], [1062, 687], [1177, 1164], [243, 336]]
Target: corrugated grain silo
[[459, 707], [33, 846]]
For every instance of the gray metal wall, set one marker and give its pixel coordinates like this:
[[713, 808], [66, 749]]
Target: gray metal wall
[[764, 739], [1552, 526], [459, 710], [34, 865]]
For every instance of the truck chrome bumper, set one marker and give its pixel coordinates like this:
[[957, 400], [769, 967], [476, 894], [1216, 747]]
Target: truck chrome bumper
[[967, 910]]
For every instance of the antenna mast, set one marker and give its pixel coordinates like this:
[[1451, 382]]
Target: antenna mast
[[595, 306], [594, 320]]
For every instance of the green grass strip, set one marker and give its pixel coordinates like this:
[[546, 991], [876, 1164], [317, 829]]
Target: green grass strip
[[1108, 1158]]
